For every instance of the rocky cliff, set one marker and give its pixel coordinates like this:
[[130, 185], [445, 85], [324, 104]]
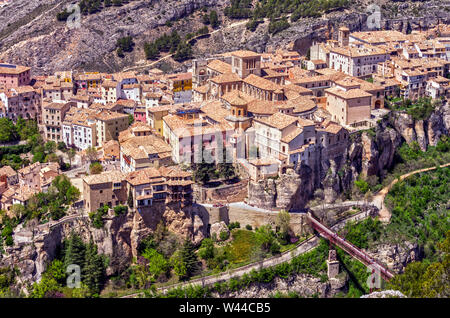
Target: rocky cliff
[[301, 284], [369, 153], [118, 239]]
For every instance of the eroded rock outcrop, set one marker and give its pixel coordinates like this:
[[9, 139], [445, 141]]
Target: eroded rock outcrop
[[118, 239]]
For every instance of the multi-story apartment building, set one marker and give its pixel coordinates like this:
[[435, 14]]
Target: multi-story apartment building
[[356, 61], [348, 105], [109, 125], [59, 91], [187, 131], [14, 75], [79, 128], [144, 151], [109, 91], [181, 87], [21, 101], [108, 188], [52, 117], [283, 137]]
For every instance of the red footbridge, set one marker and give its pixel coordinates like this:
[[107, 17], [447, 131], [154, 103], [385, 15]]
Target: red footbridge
[[351, 249]]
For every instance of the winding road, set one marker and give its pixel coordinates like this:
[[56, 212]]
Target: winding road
[[304, 247]]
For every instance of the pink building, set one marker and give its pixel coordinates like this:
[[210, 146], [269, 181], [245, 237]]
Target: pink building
[[22, 101], [140, 114], [14, 75]]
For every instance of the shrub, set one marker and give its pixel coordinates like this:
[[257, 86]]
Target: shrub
[[224, 235], [120, 209], [249, 227]]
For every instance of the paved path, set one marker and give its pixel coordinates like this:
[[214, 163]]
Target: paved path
[[378, 200], [302, 248]]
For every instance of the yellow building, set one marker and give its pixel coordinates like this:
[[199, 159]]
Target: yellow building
[[155, 117]]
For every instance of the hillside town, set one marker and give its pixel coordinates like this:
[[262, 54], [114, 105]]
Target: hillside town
[[269, 110]]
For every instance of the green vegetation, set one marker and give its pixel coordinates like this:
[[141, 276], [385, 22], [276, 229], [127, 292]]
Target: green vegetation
[[41, 206], [124, 44], [93, 271], [7, 279], [274, 9], [205, 169], [278, 26], [95, 168], [90, 7], [97, 216], [312, 263], [426, 279], [165, 43], [419, 110], [23, 130], [212, 19]]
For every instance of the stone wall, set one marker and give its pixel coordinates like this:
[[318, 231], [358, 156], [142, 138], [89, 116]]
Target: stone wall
[[229, 193]]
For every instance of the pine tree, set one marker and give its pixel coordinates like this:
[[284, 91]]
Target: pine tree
[[74, 251], [94, 269], [189, 258], [130, 199]]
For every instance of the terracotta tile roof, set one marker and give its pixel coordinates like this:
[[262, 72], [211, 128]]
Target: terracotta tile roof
[[8, 171], [219, 66], [352, 51], [141, 147], [278, 120], [303, 104], [292, 135], [350, 94], [202, 89], [109, 84], [216, 111], [105, 115], [24, 193], [260, 107], [261, 83], [226, 78], [237, 98], [113, 176], [14, 70], [245, 54]]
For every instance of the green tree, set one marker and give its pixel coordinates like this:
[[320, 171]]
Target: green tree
[[214, 19], [50, 147], [95, 168], [130, 199], [189, 258], [74, 251], [94, 269], [179, 267], [92, 154], [157, 263], [207, 249], [283, 222], [7, 130]]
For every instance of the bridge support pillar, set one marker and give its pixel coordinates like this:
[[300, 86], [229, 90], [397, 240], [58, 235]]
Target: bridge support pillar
[[333, 264]]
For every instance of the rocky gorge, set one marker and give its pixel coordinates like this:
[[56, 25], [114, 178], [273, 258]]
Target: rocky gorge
[[367, 153]]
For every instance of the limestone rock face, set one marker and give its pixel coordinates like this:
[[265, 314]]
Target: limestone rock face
[[218, 228], [405, 126], [118, 239], [396, 256], [291, 191], [301, 284]]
